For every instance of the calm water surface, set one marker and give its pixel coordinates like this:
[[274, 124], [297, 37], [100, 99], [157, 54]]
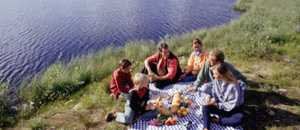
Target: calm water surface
[[37, 33]]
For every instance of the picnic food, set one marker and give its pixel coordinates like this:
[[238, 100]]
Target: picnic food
[[164, 111], [171, 121], [176, 99], [176, 102], [154, 122], [183, 111], [157, 103]]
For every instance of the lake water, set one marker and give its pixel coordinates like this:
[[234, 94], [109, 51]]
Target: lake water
[[37, 33]]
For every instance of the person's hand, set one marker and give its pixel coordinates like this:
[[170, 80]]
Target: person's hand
[[191, 88], [150, 106], [182, 77], [150, 72], [153, 77], [113, 96], [212, 102], [150, 76]]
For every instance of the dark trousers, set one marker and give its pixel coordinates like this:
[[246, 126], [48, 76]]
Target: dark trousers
[[158, 83], [231, 118]]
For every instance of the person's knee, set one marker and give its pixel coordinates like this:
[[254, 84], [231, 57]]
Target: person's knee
[[128, 119], [205, 109], [238, 118], [234, 120]]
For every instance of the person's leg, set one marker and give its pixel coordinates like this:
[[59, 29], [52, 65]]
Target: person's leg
[[162, 83], [149, 115], [189, 78], [152, 67], [126, 117], [205, 114], [207, 111], [233, 120]]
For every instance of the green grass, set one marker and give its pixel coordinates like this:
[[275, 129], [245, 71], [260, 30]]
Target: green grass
[[262, 43]]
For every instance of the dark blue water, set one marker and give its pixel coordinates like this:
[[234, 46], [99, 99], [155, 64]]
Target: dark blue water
[[36, 33]]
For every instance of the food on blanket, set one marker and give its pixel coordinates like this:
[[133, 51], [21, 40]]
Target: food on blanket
[[184, 104], [183, 111], [186, 98], [174, 120], [174, 109], [175, 102], [162, 118], [176, 99], [158, 103], [189, 102], [171, 121], [154, 122], [164, 111]]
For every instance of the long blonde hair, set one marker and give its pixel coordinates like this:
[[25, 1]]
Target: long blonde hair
[[225, 72]]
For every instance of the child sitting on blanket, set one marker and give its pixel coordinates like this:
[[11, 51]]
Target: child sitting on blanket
[[195, 62], [121, 81], [136, 105], [225, 98]]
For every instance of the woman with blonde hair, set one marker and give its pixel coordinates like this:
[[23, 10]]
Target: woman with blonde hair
[[225, 98], [136, 105]]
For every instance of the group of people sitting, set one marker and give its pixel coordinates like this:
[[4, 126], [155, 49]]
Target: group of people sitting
[[209, 73]]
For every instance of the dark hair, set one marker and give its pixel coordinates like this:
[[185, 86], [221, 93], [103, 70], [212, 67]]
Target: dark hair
[[219, 55], [197, 41], [124, 63], [162, 45]]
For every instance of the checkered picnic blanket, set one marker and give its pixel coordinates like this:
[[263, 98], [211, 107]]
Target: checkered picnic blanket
[[194, 116]]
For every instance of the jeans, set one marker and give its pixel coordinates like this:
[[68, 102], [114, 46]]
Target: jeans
[[129, 115], [189, 78], [232, 118]]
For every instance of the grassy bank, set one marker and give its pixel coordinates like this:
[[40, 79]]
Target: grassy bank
[[263, 44]]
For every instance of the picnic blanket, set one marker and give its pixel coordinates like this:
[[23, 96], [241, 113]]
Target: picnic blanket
[[194, 116]]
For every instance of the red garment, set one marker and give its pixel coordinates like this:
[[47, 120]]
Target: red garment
[[170, 63], [120, 82], [142, 92]]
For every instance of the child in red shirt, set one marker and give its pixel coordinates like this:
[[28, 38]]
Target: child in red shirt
[[121, 81]]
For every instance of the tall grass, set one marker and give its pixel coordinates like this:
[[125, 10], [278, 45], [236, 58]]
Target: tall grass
[[7, 114]]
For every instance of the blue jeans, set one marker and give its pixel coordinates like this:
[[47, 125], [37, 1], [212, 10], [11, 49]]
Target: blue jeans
[[232, 118], [189, 78], [129, 115]]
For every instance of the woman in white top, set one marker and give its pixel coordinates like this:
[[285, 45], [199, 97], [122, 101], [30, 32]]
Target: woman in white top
[[226, 98]]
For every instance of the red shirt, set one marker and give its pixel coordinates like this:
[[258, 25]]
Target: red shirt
[[142, 92], [120, 82], [170, 64]]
